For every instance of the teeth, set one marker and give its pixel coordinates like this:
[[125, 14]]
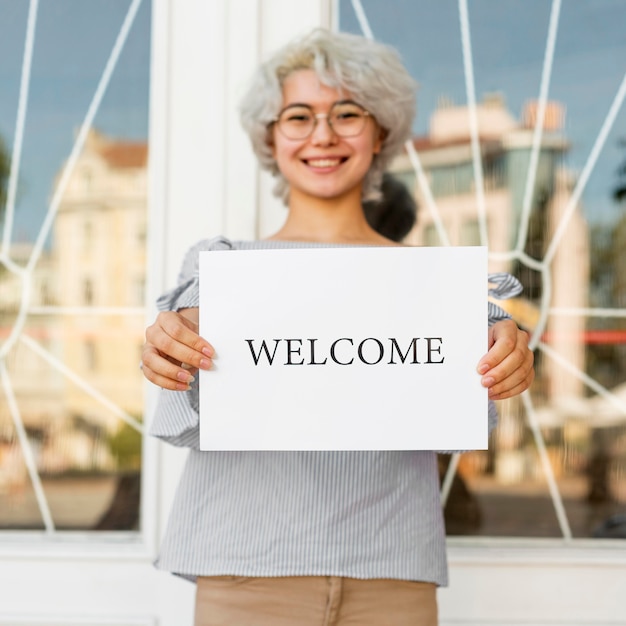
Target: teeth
[[324, 162]]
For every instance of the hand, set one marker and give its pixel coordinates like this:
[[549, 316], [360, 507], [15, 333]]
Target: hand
[[174, 351], [507, 369]]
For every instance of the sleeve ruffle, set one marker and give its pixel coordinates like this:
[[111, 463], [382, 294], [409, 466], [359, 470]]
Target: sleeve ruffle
[[176, 418], [186, 294], [502, 286]]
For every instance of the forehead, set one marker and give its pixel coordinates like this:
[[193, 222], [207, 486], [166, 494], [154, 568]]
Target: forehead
[[305, 87]]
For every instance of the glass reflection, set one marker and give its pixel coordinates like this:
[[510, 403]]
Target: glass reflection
[[563, 236], [72, 265]]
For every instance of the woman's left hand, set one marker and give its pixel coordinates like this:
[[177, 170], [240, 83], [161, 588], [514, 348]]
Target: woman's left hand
[[507, 369]]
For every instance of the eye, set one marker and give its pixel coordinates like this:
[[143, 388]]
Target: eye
[[296, 116], [344, 115], [347, 112]]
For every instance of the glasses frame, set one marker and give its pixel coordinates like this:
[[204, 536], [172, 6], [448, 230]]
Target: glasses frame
[[317, 117]]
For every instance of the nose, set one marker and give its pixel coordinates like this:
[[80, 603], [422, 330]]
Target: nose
[[323, 133]]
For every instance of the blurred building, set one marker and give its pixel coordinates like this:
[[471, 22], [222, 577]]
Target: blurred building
[[35, 389], [505, 148], [99, 246], [76, 367]]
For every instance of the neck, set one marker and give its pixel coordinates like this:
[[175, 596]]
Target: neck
[[336, 220]]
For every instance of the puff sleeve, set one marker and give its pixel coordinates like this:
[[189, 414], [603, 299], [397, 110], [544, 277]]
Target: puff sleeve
[[176, 417]]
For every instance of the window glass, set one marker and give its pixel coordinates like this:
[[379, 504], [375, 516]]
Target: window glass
[[545, 83], [73, 153]]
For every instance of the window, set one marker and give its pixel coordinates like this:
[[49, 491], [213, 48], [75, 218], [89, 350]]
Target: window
[[545, 84], [68, 401]]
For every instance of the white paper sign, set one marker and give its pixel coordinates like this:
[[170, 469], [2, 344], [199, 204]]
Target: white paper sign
[[344, 349]]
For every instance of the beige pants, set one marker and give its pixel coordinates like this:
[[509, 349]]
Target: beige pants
[[314, 601]]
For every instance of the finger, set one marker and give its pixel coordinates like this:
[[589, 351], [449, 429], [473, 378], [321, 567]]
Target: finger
[[514, 391], [192, 370], [521, 358], [161, 371], [513, 369], [504, 338], [175, 336], [500, 381], [163, 381]]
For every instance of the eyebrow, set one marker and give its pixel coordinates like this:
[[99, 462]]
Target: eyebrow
[[308, 106]]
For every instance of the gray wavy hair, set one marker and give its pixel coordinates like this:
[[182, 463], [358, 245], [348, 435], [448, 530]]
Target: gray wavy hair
[[371, 71]]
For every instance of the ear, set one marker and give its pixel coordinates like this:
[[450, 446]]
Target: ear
[[380, 138], [269, 140]]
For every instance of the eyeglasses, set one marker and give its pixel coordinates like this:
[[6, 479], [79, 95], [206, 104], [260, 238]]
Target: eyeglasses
[[346, 119]]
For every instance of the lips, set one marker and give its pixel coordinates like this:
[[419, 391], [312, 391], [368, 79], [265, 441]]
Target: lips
[[325, 162]]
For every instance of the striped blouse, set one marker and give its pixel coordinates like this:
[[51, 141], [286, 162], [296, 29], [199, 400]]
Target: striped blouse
[[358, 514]]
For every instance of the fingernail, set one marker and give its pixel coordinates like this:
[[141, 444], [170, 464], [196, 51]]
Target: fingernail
[[182, 387], [487, 381], [185, 377], [205, 364], [483, 369], [208, 352]]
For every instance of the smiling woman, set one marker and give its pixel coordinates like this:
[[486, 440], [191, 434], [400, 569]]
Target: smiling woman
[[278, 537], [382, 88]]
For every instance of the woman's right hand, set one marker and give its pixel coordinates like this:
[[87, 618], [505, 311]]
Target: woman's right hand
[[174, 351]]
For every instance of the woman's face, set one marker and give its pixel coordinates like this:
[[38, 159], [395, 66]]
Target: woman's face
[[323, 165]]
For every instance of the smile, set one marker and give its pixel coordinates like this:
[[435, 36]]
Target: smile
[[327, 162]]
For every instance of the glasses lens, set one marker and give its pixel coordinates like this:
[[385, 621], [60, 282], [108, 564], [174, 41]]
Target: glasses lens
[[347, 119], [296, 122]]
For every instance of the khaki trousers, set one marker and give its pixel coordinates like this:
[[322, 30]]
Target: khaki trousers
[[314, 601]]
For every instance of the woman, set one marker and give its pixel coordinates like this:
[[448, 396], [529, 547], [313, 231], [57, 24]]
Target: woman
[[310, 537]]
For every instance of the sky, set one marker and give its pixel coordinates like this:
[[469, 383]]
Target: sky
[[75, 37], [73, 40]]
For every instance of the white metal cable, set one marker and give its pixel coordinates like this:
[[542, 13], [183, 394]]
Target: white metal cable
[[468, 68], [79, 382], [557, 501], [617, 403], [544, 308], [86, 310], [531, 175], [29, 458], [20, 122], [575, 312], [422, 181], [446, 485], [414, 159], [20, 320], [512, 255], [589, 165], [25, 274], [362, 19], [82, 134]]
